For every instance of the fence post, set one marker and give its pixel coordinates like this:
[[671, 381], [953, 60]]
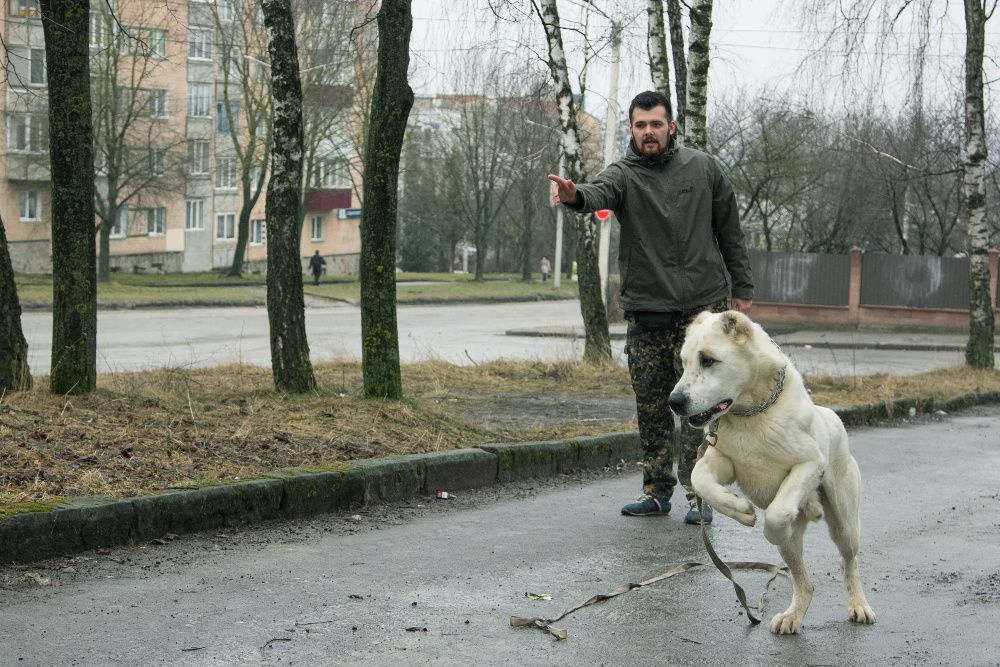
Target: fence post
[[854, 288], [994, 254]]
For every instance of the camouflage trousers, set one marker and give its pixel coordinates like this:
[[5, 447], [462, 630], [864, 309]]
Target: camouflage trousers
[[653, 345]]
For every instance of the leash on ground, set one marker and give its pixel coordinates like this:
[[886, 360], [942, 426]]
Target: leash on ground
[[546, 624]]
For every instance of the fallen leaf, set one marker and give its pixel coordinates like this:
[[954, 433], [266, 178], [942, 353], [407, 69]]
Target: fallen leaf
[[355, 597]]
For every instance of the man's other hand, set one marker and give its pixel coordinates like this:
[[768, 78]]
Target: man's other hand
[[741, 305], [563, 190]]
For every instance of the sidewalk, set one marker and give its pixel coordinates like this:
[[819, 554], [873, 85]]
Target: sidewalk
[[858, 339]]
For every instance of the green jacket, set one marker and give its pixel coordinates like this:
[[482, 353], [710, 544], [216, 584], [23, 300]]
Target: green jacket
[[681, 242]]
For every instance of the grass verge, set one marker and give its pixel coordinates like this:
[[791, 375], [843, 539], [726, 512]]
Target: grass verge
[[185, 428]]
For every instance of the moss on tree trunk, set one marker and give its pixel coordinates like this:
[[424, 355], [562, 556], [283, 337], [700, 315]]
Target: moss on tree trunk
[[391, 103], [71, 152]]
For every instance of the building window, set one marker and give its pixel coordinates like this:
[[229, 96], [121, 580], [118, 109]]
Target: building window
[[200, 43], [31, 206], [258, 229], [330, 174], [226, 173], [26, 8], [120, 229], [143, 42], [225, 226], [198, 156], [200, 100], [229, 62], [100, 26], [317, 228], [194, 214], [27, 133], [157, 161], [222, 118], [225, 9], [25, 66], [156, 221], [157, 103]]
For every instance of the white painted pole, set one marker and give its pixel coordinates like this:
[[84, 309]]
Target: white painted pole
[[557, 273], [610, 125]]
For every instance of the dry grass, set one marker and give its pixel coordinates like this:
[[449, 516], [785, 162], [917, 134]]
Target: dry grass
[[172, 428]]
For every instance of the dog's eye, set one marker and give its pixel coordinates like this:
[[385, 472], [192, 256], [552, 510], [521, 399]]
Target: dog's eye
[[707, 361]]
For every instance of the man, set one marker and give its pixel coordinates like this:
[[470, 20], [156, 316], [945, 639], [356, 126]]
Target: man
[[316, 264], [681, 252], [546, 267]]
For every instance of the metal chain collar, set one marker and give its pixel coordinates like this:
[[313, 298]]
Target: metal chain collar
[[769, 401]]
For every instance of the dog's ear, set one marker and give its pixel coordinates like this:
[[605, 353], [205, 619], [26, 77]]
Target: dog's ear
[[736, 326]]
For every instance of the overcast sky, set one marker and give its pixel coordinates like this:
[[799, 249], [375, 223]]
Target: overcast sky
[[756, 46]]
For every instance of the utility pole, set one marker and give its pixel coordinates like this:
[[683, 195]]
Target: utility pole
[[557, 256], [610, 127]]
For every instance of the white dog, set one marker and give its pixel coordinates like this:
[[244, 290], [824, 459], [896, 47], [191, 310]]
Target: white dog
[[789, 456]]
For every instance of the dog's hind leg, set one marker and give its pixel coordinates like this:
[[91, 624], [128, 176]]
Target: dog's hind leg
[[790, 621], [841, 499]]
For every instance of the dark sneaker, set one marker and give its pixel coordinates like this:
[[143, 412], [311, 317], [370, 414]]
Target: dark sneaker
[[692, 516], [647, 506]]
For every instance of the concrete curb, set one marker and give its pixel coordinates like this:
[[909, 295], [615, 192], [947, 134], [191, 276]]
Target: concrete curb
[[89, 523]]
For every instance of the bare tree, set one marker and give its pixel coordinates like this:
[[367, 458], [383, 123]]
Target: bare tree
[[656, 47], [244, 113], [391, 103], [290, 365], [597, 341], [138, 153], [979, 350], [71, 150], [680, 63], [14, 372], [697, 83]]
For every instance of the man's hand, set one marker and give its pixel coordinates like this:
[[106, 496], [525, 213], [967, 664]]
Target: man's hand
[[741, 305], [563, 190]]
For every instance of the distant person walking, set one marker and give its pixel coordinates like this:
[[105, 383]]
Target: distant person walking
[[546, 268], [316, 264]]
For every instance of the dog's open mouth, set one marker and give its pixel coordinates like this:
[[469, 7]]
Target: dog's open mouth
[[703, 418]]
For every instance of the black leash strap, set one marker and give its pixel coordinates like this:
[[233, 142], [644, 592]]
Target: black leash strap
[[724, 569]]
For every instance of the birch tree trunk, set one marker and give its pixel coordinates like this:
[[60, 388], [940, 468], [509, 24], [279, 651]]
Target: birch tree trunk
[[290, 366], [697, 86], [597, 343], [656, 46], [680, 64], [979, 350], [14, 372], [71, 153], [391, 102]]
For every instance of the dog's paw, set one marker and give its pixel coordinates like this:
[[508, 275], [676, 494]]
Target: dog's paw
[[741, 510], [786, 623], [860, 612]]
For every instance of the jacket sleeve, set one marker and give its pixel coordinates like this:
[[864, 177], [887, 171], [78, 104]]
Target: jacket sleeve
[[607, 190], [729, 235]]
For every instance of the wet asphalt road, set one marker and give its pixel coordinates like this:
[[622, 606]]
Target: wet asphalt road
[[281, 594], [132, 340]]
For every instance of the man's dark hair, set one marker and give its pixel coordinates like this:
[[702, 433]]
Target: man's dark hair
[[649, 99]]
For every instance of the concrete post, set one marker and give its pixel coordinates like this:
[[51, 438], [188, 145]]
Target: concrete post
[[854, 288]]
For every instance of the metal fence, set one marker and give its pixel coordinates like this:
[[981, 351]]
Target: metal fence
[[914, 281], [907, 281], [803, 278]]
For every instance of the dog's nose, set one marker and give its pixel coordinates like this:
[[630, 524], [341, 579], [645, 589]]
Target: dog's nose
[[678, 403]]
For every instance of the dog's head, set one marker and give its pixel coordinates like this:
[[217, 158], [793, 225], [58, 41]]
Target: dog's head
[[717, 365]]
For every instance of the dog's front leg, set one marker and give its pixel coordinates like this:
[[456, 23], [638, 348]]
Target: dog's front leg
[[711, 477], [799, 485]]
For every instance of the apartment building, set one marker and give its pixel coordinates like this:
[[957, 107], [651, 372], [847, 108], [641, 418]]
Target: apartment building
[[171, 79]]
